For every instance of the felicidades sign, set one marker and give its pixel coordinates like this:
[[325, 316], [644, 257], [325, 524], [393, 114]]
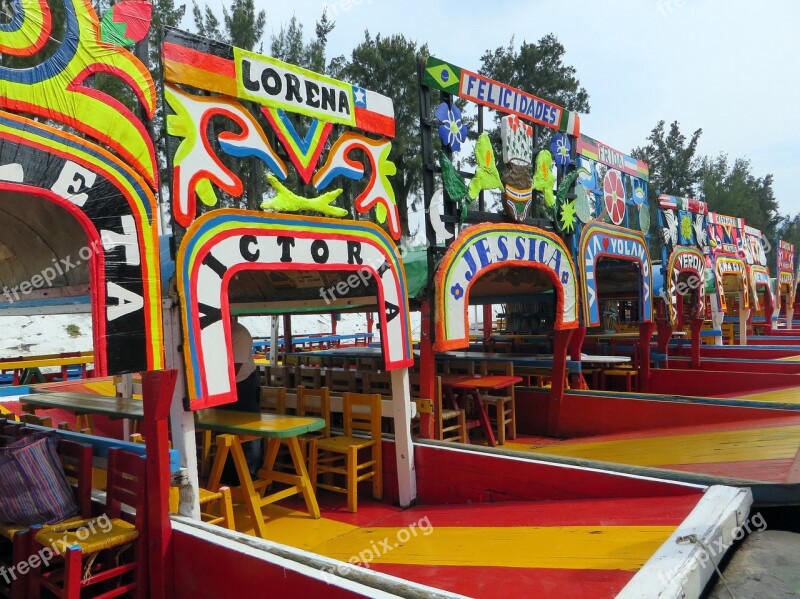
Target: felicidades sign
[[504, 98]]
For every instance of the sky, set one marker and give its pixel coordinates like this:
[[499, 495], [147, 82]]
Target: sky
[[721, 65]]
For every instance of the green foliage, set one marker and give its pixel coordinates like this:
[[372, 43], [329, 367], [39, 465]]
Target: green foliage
[[789, 230], [388, 65], [73, 330], [289, 44], [538, 69], [733, 190], [674, 168]]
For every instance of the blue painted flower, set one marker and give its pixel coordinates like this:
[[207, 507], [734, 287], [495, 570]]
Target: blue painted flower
[[560, 148], [452, 131], [565, 277], [457, 290]]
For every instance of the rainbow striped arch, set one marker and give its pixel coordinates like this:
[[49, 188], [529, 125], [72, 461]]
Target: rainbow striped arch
[[482, 248], [759, 277], [600, 240], [223, 242], [685, 260], [116, 209], [724, 265]]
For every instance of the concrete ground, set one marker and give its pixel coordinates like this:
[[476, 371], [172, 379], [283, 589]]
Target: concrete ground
[[766, 565]]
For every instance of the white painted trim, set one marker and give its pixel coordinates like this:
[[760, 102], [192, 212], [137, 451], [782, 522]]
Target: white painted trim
[[682, 570], [181, 422], [404, 447], [309, 564]]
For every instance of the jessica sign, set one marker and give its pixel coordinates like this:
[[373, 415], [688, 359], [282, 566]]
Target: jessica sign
[[482, 248]]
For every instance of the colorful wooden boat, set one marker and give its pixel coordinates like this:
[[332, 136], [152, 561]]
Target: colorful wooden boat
[[544, 525]]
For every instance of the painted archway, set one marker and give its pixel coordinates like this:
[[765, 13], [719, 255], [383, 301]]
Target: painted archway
[[724, 265], [117, 211], [786, 275], [602, 240], [482, 248], [690, 261], [759, 278], [224, 242]]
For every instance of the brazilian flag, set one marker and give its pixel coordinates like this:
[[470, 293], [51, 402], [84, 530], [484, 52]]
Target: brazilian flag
[[442, 75]]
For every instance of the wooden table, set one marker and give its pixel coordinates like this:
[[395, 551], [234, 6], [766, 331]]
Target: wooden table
[[88, 403], [238, 427], [474, 385]]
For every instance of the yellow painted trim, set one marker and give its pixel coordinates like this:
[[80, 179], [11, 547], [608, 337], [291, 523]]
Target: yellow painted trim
[[769, 443]]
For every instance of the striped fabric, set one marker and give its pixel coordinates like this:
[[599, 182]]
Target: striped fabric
[[33, 486]]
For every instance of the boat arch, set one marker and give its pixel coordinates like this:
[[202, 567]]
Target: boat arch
[[223, 243], [484, 248], [601, 240], [116, 263]]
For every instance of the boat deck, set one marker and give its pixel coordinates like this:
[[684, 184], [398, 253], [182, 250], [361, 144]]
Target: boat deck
[[764, 450], [574, 548], [786, 395]]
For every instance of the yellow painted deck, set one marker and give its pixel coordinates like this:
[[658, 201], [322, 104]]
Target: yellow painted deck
[[761, 450]]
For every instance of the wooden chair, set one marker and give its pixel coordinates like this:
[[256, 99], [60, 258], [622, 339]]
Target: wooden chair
[[629, 375], [340, 454], [340, 381], [29, 418], [317, 403], [448, 424], [113, 550], [273, 400], [216, 507], [459, 367], [308, 377], [503, 403], [277, 376], [377, 382]]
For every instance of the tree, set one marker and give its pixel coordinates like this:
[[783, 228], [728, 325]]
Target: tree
[[733, 190], [789, 230], [538, 69], [388, 65], [674, 168], [289, 45]]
